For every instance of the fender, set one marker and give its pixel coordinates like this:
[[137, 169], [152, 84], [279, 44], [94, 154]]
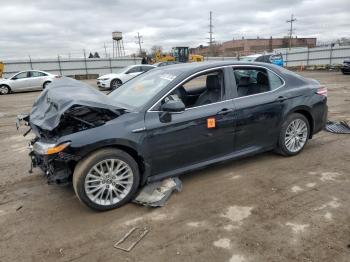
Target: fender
[[129, 146], [304, 110]]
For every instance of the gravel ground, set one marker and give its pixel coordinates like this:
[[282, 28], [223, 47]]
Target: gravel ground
[[262, 208]]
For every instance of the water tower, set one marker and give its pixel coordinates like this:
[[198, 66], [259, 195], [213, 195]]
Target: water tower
[[118, 45]]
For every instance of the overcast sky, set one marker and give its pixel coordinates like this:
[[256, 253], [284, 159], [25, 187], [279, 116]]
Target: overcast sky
[[45, 28]]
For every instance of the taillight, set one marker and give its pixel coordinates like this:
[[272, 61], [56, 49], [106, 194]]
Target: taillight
[[322, 91]]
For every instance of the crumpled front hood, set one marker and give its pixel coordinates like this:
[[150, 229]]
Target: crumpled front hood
[[60, 96]]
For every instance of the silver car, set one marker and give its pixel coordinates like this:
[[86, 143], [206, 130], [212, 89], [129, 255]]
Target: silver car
[[26, 81]]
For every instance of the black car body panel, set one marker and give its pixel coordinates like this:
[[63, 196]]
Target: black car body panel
[[167, 144]]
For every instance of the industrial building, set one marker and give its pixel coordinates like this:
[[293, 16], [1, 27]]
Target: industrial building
[[251, 46]]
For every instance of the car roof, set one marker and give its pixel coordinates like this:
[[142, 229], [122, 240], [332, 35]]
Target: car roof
[[199, 66], [33, 70]]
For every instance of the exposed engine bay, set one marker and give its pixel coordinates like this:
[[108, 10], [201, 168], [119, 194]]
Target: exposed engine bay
[[79, 118]]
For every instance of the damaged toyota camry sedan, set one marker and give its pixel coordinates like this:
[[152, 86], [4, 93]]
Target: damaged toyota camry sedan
[[167, 122]]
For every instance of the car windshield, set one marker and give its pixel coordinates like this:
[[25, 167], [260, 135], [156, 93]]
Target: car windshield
[[124, 69], [137, 92]]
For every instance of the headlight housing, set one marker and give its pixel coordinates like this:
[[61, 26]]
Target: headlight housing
[[103, 79], [49, 149]]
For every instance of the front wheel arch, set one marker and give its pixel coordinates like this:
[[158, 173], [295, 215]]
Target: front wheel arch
[[81, 172], [8, 87], [46, 83], [139, 158], [115, 79]]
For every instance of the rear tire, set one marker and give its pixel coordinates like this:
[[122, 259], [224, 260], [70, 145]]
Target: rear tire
[[4, 90], [98, 183], [294, 134]]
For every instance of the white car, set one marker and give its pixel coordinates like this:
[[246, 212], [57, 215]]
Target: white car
[[114, 80], [26, 81]]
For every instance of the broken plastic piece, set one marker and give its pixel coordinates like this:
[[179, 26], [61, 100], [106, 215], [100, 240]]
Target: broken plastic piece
[[157, 193], [133, 236], [338, 127]]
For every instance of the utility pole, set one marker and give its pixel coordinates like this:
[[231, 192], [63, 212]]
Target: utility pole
[[104, 45], [211, 40], [139, 41], [292, 19]]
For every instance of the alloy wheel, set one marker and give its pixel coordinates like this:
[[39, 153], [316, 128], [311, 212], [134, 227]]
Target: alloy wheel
[[116, 83], [296, 135], [4, 90], [108, 182]]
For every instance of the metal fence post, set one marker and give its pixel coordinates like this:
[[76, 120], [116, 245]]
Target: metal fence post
[[59, 64], [330, 55], [308, 56], [110, 64], [30, 62], [286, 58], [86, 70]]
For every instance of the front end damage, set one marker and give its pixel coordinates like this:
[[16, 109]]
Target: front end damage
[[58, 167], [56, 115]]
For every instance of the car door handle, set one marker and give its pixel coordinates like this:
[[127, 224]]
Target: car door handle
[[281, 98], [224, 111]]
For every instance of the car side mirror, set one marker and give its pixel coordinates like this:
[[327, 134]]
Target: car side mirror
[[14, 78], [173, 106]]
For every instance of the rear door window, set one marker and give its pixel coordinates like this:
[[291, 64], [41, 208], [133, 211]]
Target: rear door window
[[251, 81], [274, 80], [37, 74]]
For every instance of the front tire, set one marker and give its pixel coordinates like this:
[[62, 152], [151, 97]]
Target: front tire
[[294, 134], [115, 83], [4, 90], [106, 179]]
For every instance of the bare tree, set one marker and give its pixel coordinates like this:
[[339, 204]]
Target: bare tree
[[155, 49]]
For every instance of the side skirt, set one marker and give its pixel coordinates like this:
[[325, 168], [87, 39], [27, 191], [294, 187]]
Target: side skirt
[[236, 155]]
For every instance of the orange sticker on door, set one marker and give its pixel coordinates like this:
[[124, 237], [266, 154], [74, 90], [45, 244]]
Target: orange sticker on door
[[211, 122]]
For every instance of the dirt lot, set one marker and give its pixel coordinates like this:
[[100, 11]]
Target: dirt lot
[[263, 208]]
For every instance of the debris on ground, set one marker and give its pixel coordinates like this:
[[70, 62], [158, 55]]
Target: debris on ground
[[131, 238], [156, 194], [341, 127], [61, 251]]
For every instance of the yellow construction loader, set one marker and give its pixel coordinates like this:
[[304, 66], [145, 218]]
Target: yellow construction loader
[[1, 69], [159, 57], [180, 54]]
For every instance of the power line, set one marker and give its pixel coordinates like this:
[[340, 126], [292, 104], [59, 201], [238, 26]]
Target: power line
[[292, 19]]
